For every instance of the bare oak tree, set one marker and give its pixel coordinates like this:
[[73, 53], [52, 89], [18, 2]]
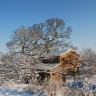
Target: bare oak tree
[[27, 44]]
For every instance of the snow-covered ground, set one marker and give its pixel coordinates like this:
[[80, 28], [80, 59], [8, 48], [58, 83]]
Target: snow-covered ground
[[13, 89]]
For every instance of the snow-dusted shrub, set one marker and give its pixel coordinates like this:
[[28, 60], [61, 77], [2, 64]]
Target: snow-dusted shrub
[[76, 88]]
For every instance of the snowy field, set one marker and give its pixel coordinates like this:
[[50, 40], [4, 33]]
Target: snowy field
[[13, 89]]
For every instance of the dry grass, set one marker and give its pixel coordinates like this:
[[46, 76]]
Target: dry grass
[[52, 88], [60, 89]]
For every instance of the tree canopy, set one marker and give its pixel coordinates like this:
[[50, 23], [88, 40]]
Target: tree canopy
[[49, 36]]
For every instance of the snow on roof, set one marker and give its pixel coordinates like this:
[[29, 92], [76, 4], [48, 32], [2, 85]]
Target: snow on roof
[[46, 55]]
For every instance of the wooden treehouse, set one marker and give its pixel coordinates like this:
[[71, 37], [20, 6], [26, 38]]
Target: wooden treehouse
[[57, 67]]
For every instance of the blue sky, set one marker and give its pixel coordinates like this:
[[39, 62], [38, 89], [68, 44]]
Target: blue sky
[[80, 14]]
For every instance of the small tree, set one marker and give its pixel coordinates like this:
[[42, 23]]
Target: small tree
[[89, 57]]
